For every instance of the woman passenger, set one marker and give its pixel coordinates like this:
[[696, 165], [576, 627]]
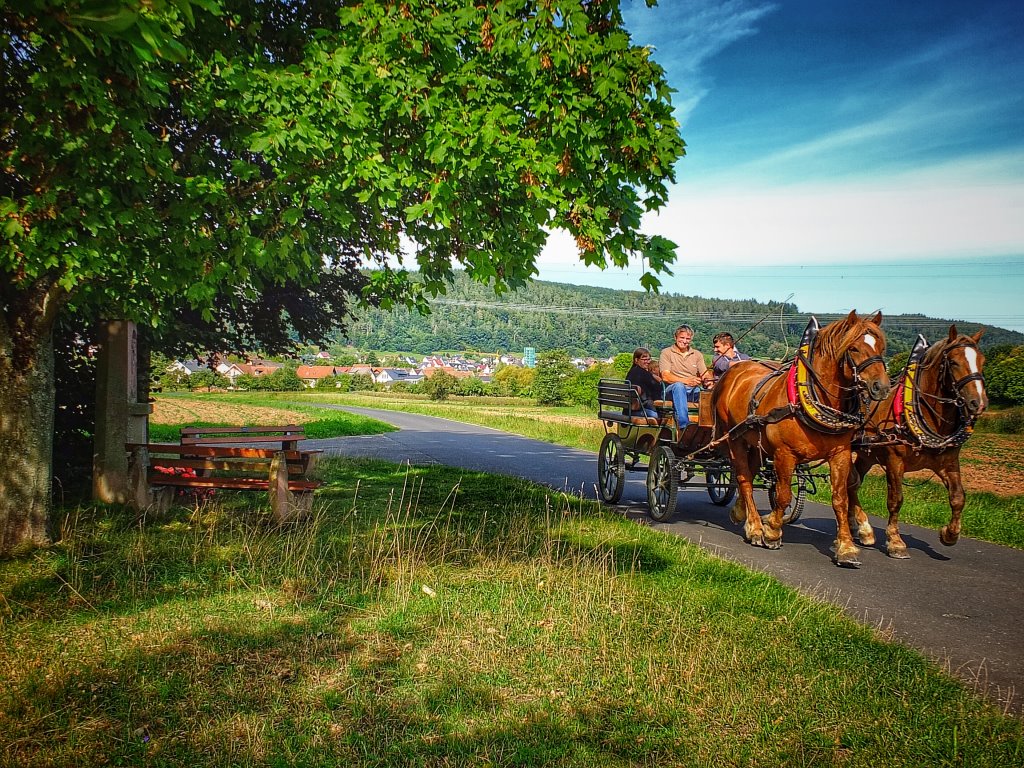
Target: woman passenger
[[650, 385]]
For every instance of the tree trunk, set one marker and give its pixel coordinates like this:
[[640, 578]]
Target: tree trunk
[[26, 440]]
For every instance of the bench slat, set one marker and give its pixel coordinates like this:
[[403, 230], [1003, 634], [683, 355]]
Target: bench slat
[[217, 451], [242, 439], [288, 428], [620, 418], [228, 483], [295, 467]]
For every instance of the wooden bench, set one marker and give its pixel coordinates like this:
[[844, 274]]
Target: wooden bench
[[619, 402], [282, 473], [287, 436]]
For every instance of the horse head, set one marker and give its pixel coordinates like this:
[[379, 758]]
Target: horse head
[[858, 344], [962, 363]]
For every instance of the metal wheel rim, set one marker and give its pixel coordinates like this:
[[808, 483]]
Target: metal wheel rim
[[662, 484], [721, 489], [611, 469]]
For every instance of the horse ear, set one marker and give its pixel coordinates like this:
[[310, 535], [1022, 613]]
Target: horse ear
[[877, 319], [852, 317], [952, 332], [978, 335]]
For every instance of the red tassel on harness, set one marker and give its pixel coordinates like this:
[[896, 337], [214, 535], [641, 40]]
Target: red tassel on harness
[[791, 384], [897, 402]]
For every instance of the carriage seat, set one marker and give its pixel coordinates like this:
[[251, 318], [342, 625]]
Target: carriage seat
[[619, 402], [667, 409]]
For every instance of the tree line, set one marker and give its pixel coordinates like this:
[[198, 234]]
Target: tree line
[[588, 321]]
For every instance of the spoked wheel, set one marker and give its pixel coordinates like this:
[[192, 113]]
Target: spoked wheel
[[662, 484], [796, 505], [611, 469], [721, 488]]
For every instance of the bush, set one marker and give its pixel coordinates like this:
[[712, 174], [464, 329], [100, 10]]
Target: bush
[[512, 381], [554, 370], [623, 362], [1008, 422], [440, 385], [897, 363], [471, 385], [581, 389]]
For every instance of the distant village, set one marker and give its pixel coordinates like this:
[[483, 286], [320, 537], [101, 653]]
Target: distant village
[[312, 369]]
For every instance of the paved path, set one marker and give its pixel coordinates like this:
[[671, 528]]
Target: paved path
[[961, 605]]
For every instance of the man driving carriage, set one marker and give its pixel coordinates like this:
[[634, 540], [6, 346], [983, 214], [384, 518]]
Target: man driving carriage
[[726, 354], [684, 372]]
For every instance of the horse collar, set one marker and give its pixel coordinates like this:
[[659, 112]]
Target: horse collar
[[800, 387], [908, 404]]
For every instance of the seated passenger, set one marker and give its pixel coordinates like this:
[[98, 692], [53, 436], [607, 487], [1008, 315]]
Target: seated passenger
[[726, 354], [650, 386], [684, 372]]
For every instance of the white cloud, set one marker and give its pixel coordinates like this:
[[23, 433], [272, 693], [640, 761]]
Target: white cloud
[[699, 31], [968, 208]]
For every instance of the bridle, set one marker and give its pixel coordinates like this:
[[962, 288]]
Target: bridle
[[817, 414], [915, 400]]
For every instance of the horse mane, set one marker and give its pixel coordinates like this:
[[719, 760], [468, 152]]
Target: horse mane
[[936, 350], [837, 336]]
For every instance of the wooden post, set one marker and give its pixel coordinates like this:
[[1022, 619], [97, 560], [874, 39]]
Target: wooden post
[[120, 418], [287, 507]]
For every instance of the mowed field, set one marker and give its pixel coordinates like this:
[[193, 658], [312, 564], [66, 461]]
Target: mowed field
[[991, 463]]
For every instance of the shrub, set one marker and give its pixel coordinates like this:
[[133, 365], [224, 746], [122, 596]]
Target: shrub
[[1008, 422], [440, 385], [554, 370]]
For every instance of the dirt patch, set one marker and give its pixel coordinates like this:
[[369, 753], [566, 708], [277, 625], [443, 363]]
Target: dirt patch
[[175, 412], [988, 463], [993, 463]]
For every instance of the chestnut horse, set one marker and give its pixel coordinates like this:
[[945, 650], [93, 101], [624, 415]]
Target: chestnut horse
[[804, 412], [921, 425]]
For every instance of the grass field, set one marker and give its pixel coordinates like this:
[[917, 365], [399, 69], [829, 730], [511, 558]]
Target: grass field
[[438, 617], [992, 464]]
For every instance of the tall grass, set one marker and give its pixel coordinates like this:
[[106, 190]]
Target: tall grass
[[435, 617]]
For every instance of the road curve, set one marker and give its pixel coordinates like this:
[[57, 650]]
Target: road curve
[[963, 605]]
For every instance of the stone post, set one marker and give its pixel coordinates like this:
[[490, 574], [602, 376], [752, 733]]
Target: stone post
[[120, 418]]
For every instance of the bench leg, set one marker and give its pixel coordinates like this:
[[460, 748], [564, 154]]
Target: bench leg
[[287, 507], [142, 497]]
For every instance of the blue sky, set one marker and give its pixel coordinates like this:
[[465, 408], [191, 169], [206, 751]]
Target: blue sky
[[859, 155]]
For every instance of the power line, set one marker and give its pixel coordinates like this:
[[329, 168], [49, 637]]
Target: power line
[[714, 316]]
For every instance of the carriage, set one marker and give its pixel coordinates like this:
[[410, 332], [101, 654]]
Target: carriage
[[673, 457]]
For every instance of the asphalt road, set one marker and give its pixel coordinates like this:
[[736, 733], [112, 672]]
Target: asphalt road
[[960, 605]]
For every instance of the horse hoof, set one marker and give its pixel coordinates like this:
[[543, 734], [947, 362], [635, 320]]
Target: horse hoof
[[773, 543], [948, 538], [898, 554], [848, 561], [756, 541]]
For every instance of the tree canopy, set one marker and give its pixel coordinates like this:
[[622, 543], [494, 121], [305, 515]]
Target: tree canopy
[[161, 154]]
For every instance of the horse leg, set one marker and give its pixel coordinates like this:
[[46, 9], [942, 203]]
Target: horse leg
[[783, 464], [949, 534], [847, 553], [895, 547], [743, 468], [865, 533]]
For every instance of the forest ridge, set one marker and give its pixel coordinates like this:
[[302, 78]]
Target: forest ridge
[[600, 322]]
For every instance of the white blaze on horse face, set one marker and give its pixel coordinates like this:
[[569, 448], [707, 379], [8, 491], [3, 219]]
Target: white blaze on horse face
[[971, 355], [869, 340]]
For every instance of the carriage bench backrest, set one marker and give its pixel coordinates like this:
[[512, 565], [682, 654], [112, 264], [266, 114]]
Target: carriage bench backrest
[[617, 399]]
